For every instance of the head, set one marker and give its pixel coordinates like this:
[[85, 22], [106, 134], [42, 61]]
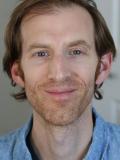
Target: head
[[76, 43], [13, 39]]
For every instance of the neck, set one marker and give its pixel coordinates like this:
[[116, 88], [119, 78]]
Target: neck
[[69, 142]]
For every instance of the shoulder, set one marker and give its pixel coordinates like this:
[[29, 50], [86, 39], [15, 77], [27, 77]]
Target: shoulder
[[109, 132], [112, 149], [7, 144], [14, 143], [106, 139], [113, 132]]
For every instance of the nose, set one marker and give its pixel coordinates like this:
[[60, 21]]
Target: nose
[[59, 69]]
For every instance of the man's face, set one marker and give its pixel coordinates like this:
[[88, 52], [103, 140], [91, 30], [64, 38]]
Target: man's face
[[59, 63]]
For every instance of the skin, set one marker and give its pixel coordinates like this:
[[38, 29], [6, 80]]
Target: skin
[[59, 63]]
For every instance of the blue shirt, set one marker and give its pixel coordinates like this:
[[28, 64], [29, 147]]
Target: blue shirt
[[105, 142]]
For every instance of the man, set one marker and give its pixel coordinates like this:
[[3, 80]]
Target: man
[[59, 52]]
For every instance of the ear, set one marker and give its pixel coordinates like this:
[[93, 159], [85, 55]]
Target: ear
[[104, 68], [17, 74]]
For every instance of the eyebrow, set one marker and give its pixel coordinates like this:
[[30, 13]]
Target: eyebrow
[[71, 44], [79, 42], [37, 45]]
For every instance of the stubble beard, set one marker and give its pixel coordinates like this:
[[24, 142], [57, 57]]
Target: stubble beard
[[59, 113]]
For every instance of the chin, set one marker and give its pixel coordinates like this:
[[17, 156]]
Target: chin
[[61, 116]]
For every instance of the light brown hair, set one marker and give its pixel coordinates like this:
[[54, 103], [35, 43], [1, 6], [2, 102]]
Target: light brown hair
[[13, 41]]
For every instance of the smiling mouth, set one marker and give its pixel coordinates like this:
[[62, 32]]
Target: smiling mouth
[[61, 95]]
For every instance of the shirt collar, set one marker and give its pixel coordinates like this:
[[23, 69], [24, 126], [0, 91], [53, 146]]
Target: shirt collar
[[99, 139], [20, 149]]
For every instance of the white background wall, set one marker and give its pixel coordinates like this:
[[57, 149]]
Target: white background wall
[[13, 114], [109, 107]]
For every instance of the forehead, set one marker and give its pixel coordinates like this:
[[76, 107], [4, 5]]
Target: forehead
[[63, 22]]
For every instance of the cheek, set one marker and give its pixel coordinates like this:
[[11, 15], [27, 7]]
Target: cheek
[[86, 73], [32, 73]]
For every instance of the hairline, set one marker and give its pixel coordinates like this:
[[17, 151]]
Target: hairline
[[53, 10]]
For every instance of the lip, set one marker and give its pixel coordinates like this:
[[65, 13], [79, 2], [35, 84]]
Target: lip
[[59, 94]]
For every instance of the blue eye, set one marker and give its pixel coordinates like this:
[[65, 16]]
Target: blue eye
[[41, 54], [75, 52]]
